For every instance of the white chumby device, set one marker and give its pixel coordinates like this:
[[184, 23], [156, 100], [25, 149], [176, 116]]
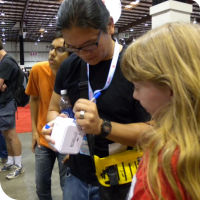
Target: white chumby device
[[68, 136]]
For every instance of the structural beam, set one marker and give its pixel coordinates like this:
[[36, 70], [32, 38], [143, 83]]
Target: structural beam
[[144, 19], [137, 22]]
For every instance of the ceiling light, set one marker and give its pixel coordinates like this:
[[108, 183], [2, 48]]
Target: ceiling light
[[128, 6], [55, 17], [2, 22], [1, 1], [3, 35], [3, 29], [135, 2], [131, 30], [4, 43], [3, 39], [194, 22], [50, 24], [2, 13], [146, 24], [41, 35], [41, 30], [38, 39], [45, 31]]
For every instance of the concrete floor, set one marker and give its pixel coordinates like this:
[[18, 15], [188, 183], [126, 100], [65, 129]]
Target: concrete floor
[[23, 187]]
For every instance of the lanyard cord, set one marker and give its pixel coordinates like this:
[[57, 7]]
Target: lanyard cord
[[110, 74]]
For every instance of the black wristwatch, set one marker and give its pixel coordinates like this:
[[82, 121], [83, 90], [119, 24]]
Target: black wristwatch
[[106, 128]]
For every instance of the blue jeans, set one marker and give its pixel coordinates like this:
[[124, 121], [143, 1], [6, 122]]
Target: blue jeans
[[75, 189], [44, 163], [3, 149]]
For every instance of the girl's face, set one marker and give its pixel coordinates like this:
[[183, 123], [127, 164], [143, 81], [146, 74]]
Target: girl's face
[[151, 96]]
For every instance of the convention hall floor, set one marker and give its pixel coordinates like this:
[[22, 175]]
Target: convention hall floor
[[23, 187]]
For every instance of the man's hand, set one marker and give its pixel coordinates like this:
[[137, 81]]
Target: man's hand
[[47, 132], [91, 123], [65, 159], [35, 141], [3, 88]]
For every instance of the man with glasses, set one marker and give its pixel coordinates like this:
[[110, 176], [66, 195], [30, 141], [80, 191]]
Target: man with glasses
[[89, 47], [40, 88], [87, 29]]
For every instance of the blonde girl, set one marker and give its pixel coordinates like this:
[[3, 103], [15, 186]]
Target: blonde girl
[[164, 66]]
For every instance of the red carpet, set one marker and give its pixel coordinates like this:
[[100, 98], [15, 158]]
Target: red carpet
[[23, 119]]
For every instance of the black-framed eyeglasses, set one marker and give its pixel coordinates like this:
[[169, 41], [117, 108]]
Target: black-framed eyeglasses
[[59, 50], [90, 47]]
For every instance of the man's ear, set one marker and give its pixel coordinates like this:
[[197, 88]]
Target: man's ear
[[111, 28]]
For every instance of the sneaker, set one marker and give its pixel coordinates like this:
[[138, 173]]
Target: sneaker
[[3, 160], [16, 172], [6, 167]]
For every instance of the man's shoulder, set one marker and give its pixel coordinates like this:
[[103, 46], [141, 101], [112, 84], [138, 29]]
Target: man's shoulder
[[40, 70], [8, 68], [72, 59], [9, 60], [41, 64]]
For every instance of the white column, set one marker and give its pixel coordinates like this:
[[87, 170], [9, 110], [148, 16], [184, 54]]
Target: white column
[[170, 11]]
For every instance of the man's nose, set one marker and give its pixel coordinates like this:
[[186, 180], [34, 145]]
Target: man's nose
[[53, 52]]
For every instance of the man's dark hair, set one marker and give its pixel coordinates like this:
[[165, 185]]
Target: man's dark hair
[[1, 45], [58, 34], [83, 14]]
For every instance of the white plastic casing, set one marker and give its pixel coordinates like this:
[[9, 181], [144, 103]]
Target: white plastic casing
[[67, 135]]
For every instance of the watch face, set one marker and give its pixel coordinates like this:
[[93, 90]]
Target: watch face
[[107, 128]]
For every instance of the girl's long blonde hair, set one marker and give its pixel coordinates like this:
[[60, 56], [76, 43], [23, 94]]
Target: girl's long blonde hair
[[170, 55]]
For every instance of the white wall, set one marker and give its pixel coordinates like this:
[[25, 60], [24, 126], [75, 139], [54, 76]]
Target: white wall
[[12, 48]]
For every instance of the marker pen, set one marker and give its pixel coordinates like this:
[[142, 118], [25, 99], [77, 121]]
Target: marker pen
[[47, 126], [93, 100], [95, 96]]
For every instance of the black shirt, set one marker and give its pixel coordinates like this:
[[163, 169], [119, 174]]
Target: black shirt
[[116, 104], [8, 72]]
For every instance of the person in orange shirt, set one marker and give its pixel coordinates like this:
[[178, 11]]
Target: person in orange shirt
[[40, 87]]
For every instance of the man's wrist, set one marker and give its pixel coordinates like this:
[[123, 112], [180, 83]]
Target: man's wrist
[[106, 128]]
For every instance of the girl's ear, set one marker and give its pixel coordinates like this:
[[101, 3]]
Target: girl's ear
[[171, 94]]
